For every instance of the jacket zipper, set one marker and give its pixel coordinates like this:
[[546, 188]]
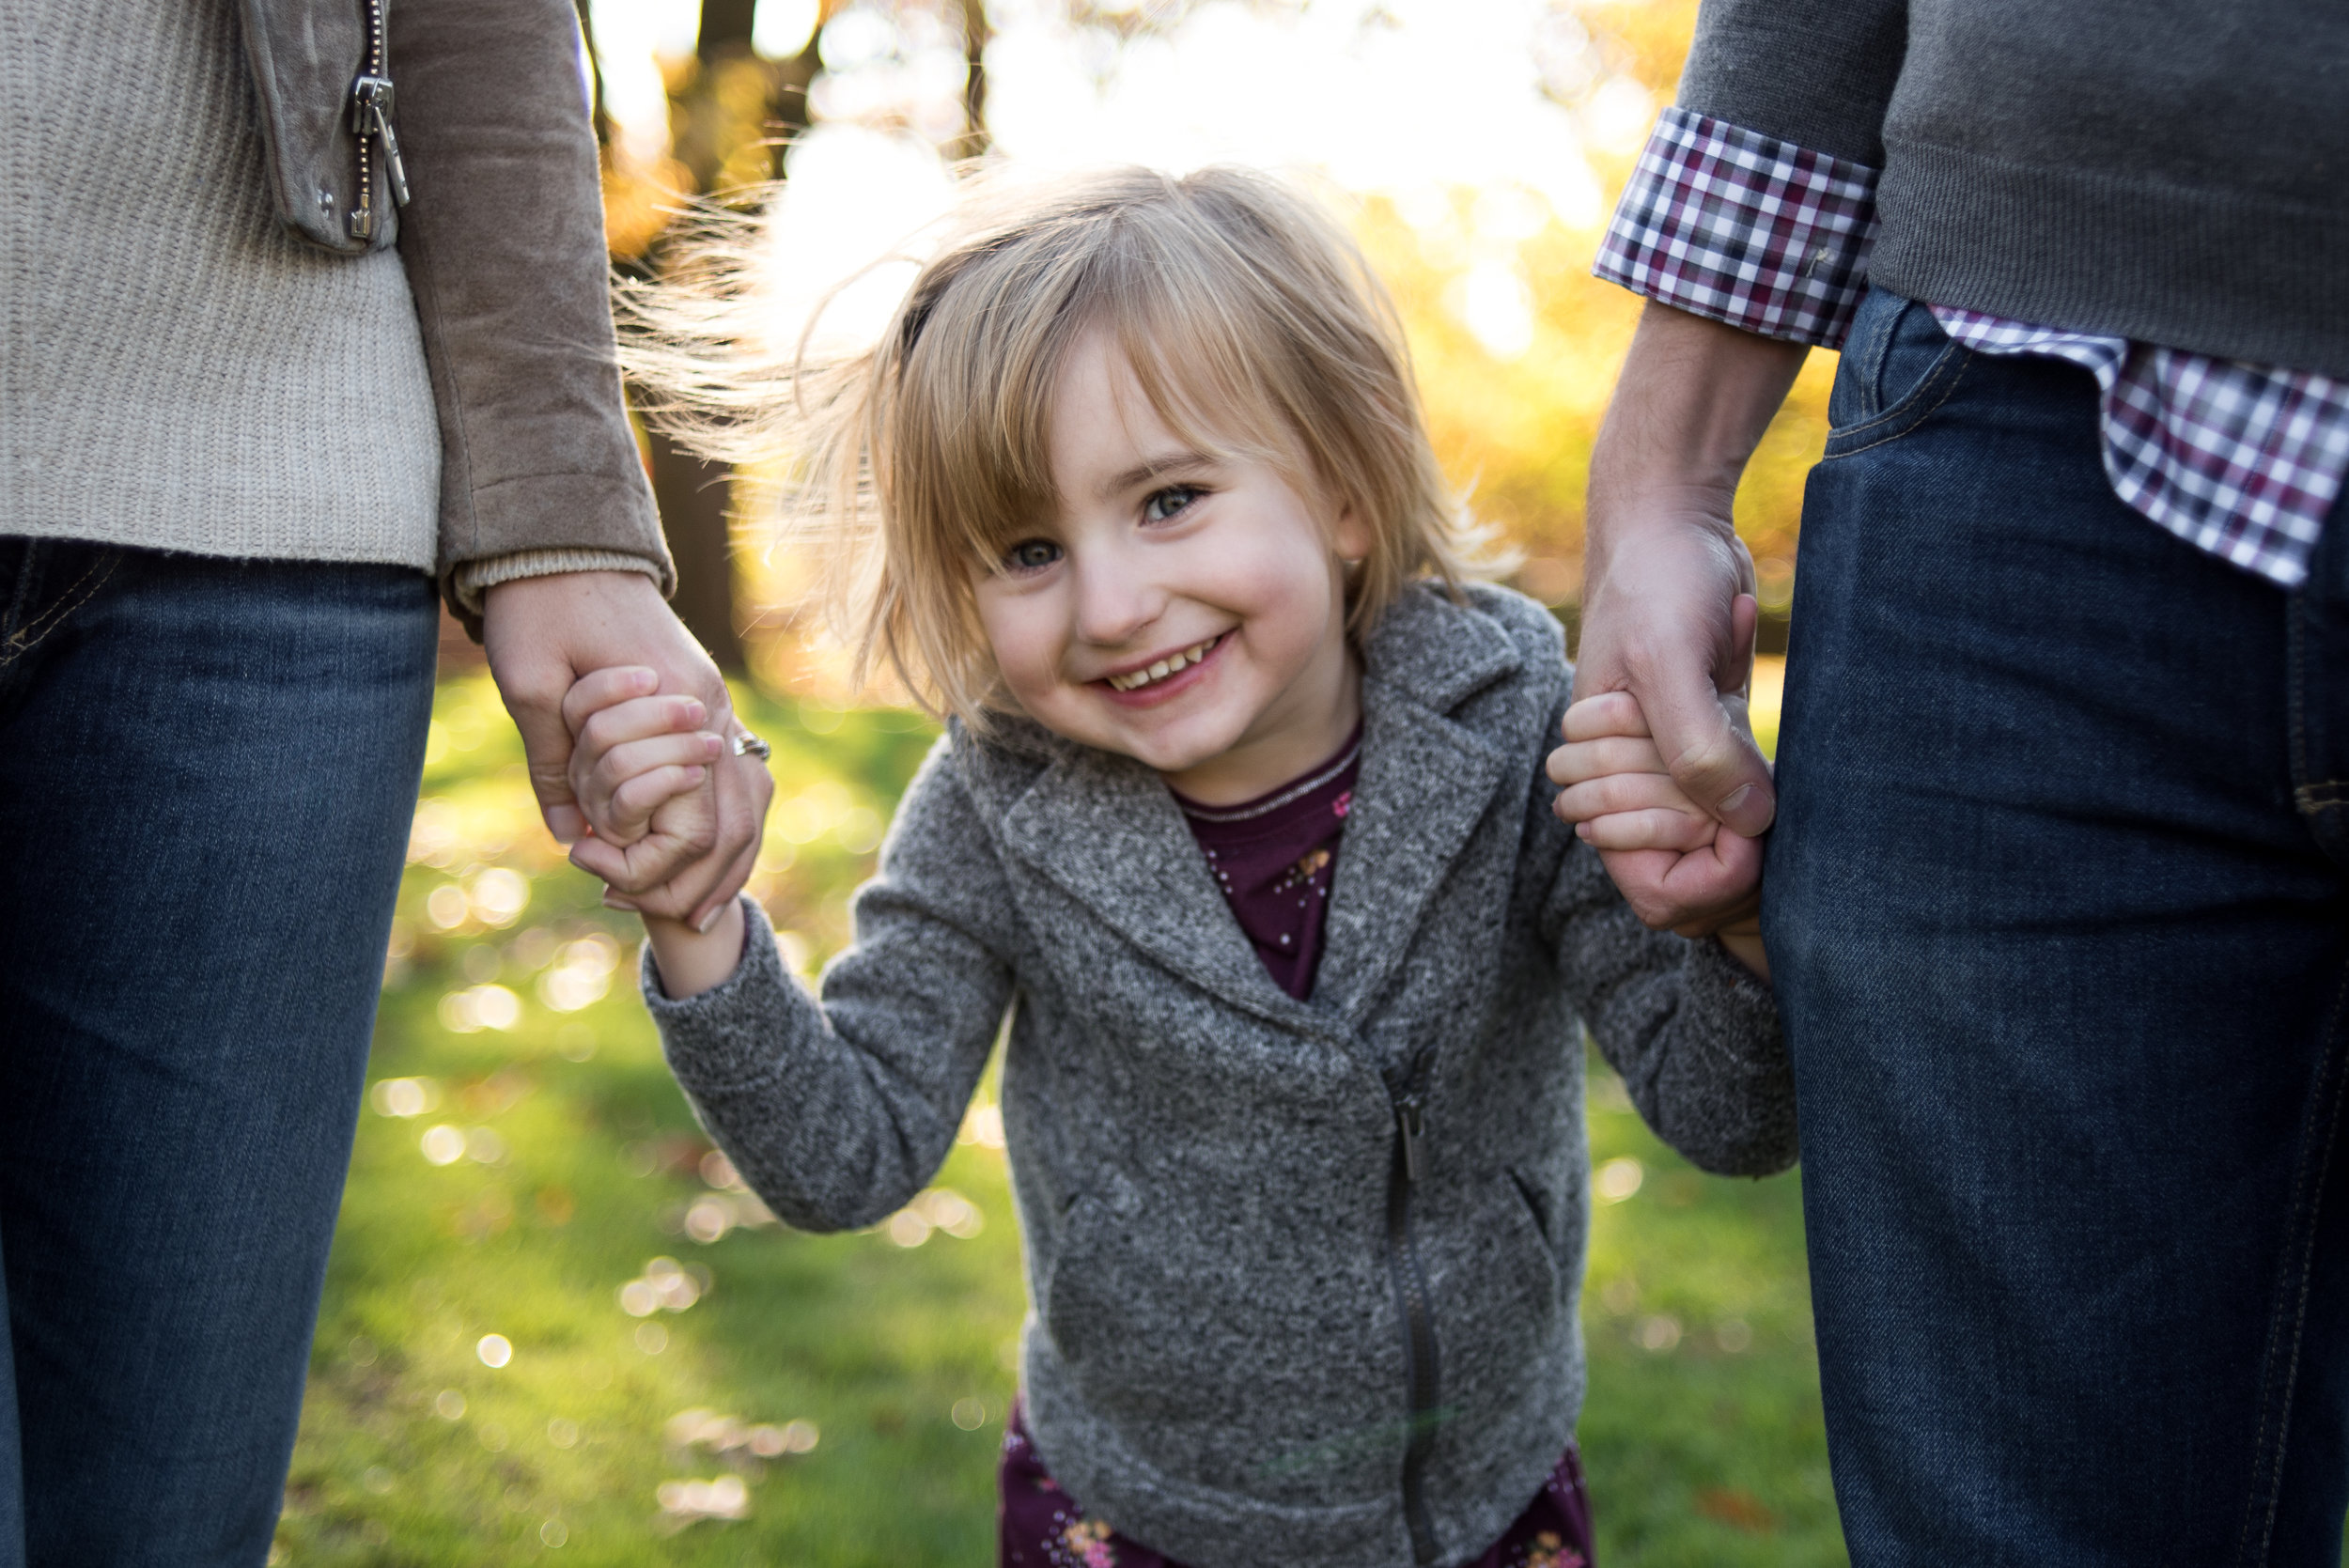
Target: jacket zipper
[[1419, 1328], [371, 120]]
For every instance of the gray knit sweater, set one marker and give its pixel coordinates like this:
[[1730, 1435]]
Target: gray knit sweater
[[176, 369], [2172, 171], [181, 370], [1270, 1326]]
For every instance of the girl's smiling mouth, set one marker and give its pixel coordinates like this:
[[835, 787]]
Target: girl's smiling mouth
[[1159, 676]]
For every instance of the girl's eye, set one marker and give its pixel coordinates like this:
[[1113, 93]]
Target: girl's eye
[[1031, 555], [1168, 502]]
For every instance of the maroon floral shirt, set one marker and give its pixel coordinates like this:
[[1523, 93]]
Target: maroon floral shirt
[[1275, 858]]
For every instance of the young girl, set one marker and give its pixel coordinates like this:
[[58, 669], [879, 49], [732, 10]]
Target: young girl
[[1241, 819]]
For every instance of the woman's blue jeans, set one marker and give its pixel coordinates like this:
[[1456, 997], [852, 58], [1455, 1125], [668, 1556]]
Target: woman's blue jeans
[[2059, 904], [207, 771]]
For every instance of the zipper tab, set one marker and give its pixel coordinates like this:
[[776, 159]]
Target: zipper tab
[[371, 115], [371, 120], [1413, 1127]]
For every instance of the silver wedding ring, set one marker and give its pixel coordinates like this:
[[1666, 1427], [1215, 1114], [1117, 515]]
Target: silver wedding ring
[[748, 745]]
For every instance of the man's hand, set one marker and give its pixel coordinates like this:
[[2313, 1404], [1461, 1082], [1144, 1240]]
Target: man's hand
[[542, 634], [1668, 607], [1625, 803]]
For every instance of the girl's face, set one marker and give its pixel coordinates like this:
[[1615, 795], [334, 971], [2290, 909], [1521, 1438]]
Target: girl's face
[[1183, 610]]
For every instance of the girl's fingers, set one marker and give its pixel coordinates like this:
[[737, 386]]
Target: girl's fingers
[[1621, 792], [600, 689], [638, 719], [634, 801], [625, 762], [1608, 713], [1650, 830], [611, 728], [1576, 761]]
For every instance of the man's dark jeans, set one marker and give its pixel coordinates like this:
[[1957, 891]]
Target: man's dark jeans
[[207, 770], [2058, 904]]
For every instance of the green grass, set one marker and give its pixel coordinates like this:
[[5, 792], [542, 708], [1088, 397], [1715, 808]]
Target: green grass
[[576, 1165]]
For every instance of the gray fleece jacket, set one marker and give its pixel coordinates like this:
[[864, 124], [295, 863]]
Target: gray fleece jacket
[[1303, 1273]]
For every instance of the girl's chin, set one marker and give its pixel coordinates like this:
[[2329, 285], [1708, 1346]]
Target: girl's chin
[[1191, 741]]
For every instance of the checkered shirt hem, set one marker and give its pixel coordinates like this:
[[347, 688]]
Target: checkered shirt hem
[[2242, 460], [1728, 223]]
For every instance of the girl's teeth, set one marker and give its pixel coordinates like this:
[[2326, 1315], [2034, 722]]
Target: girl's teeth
[[1164, 668]]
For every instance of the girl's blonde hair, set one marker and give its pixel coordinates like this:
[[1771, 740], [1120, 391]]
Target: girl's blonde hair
[[1251, 321]]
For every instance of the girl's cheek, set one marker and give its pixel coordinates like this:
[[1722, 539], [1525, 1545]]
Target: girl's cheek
[[1018, 638]]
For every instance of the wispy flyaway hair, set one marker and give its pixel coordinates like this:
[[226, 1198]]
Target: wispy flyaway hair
[[1250, 318]]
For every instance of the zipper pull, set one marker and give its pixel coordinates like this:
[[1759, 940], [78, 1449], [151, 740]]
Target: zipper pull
[[1413, 1127], [371, 115]]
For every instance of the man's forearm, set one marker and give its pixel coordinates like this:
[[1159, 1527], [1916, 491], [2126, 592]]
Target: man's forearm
[[1668, 607], [1692, 402]]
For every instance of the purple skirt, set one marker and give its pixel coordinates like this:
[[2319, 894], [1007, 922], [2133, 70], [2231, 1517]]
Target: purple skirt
[[1039, 1526]]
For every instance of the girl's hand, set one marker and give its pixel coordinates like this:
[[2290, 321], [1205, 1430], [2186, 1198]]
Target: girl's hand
[[1618, 792], [1619, 796], [637, 763], [632, 753]]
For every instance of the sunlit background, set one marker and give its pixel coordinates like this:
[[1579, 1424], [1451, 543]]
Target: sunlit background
[[1474, 146], [556, 1325]]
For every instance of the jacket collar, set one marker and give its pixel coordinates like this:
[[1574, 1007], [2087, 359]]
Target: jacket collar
[[1106, 829]]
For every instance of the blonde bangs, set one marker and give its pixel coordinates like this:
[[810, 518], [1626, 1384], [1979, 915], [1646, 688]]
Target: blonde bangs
[[1252, 322]]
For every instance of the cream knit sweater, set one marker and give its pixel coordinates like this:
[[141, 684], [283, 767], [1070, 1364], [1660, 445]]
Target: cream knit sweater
[[176, 370]]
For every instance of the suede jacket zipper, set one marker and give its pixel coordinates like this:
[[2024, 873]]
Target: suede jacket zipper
[[371, 122]]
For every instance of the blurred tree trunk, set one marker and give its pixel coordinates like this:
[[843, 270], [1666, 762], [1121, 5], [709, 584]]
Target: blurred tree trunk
[[713, 134], [975, 36], [732, 124]]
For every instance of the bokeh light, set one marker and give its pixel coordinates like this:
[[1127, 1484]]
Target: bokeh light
[[1618, 1179]]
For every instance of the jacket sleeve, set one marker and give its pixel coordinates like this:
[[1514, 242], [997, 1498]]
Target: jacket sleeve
[[1693, 1032], [504, 253], [1816, 73], [837, 1112]]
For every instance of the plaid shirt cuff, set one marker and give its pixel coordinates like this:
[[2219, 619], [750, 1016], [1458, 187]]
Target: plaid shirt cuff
[[1728, 223]]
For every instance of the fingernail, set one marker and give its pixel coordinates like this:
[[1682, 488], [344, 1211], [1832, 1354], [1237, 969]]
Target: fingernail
[[713, 744], [614, 901], [694, 712], [696, 774], [1737, 799], [710, 921], [1582, 830]]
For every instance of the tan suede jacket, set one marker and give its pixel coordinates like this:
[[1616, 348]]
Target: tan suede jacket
[[502, 243]]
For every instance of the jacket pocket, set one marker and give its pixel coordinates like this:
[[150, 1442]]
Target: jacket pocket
[[1539, 1208], [1898, 367], [1501, 1292], [1263, 1363]]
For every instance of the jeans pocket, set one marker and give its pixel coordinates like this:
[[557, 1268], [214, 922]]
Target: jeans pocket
[[52, 578], [1898, 365]]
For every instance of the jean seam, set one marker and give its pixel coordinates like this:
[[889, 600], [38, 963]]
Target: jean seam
[[1913, 417], [33, 632], [2291, 1319], [1867, 360]]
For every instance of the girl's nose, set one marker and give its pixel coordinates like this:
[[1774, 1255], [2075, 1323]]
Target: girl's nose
[[1115, 598]]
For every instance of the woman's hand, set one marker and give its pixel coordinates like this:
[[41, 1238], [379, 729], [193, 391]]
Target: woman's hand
[[637, 764]]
